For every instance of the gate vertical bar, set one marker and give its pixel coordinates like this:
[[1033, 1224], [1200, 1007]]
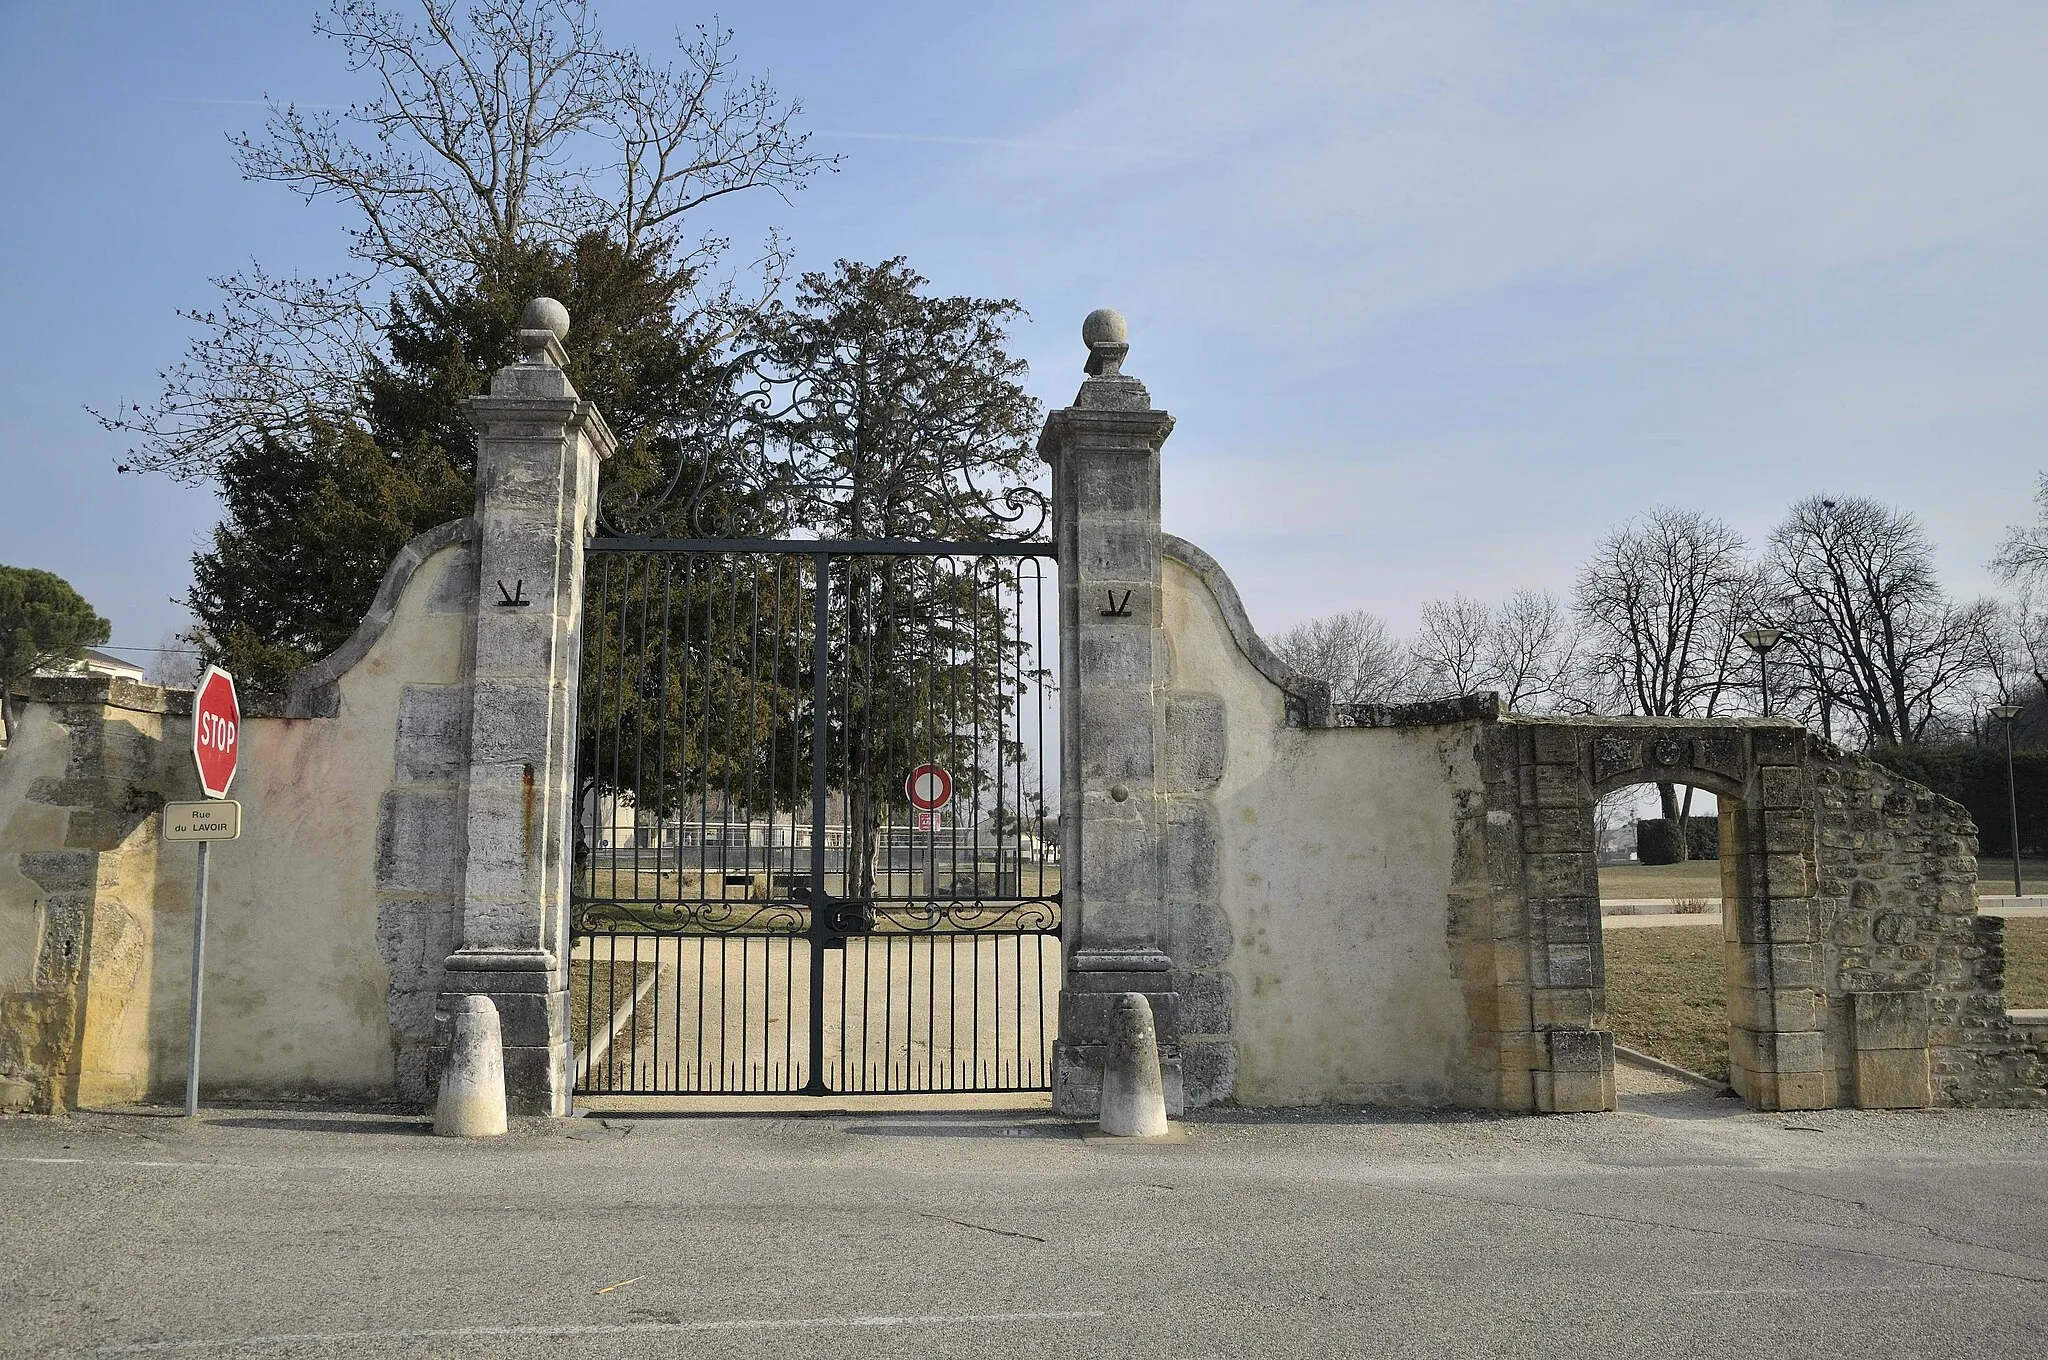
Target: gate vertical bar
[[893, 709], [821, 656]]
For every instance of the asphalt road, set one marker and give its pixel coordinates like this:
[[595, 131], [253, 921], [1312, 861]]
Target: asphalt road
[[1683, 1228]]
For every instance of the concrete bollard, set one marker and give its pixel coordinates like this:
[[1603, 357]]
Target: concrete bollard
[[472, 1103], [1133, 1093]]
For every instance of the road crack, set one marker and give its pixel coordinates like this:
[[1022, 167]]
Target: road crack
[[979, 1227], [1914, 1224]]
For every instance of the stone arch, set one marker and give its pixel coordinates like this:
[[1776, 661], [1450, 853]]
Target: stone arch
[[1557, 1049], [1859, 972], [1713, 781]]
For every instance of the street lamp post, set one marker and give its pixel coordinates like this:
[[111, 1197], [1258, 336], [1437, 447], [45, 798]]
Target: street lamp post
[[2012, 803], [1761, 640]]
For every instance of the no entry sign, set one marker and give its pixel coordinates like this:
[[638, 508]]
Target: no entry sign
[[929, 788], [216, 731]]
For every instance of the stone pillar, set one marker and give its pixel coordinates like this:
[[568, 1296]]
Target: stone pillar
[[1568, 1049], [1104, 451], [538, 450], [1777, 999]]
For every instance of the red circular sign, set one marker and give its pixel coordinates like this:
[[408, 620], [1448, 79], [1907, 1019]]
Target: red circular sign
[[929, 788], [216, 731]]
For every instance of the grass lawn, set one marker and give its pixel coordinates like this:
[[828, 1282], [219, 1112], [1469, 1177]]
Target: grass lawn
[[596, 988], [1702, 878], [1994, 875], [1667, 989], [1694, 878], [1667, 995], [2026, 963]]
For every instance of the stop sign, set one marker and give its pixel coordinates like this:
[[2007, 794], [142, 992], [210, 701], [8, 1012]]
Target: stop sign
[[216, 731]]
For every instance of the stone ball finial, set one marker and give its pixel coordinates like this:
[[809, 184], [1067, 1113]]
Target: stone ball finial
[[1104, 326], [546, 314], [1108, 342]]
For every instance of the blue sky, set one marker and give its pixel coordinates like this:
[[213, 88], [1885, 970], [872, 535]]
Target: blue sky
[[1438, 292]]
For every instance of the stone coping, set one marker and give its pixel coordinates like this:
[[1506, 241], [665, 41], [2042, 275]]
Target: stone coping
[[1311, 698], [315, 692]]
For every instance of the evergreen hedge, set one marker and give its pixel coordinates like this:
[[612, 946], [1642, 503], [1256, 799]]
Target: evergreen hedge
[[1657, 842], [1975, 777]]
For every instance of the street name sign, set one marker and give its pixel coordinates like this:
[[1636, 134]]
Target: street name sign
[[214, 820]]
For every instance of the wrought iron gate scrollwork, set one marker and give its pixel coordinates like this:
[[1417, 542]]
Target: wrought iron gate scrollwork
[[756, 905]]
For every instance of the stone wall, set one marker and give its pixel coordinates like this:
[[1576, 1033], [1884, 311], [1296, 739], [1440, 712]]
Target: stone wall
[[1916, 977], [1400, 905], [408, 666], [77, 887], [407, 820], [1359, 903], [327, 920], [1312, 876]]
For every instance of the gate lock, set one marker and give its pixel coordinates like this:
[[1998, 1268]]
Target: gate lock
[[847, 916]]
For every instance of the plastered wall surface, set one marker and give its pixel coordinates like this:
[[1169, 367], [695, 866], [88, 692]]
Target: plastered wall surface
[[327, 920], [1333, 865], [40, 751], [299, 978]]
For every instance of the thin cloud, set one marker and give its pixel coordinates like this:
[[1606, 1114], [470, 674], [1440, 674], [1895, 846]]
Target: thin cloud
[[232, 103], [1012, 143]]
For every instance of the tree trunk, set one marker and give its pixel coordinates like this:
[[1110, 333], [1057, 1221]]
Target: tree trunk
[[1667, 800]]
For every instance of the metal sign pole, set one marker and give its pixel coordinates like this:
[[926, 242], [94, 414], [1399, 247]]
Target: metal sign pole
[[198, 985]]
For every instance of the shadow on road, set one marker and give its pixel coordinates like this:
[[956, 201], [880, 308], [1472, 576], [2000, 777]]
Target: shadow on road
[[920, 1128], [1641, 1090], [338, 1123]]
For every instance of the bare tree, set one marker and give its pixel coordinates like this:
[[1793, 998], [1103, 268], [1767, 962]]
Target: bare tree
[[493, 125], [2024, 554], [1523, 649], [2021, 652], [1872, 632], [1532, 654], [176, 660], [1614, 824], [1354, 652], [1452, 645], [1663, 601]]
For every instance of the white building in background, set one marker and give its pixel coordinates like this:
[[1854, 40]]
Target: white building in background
[[96, 662]]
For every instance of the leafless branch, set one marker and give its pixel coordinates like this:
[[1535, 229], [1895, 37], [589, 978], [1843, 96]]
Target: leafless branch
[[1873, 635], [1354, 653], [489, 126]]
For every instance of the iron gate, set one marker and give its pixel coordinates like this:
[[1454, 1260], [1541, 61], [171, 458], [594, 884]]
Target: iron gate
[[757, 904]]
